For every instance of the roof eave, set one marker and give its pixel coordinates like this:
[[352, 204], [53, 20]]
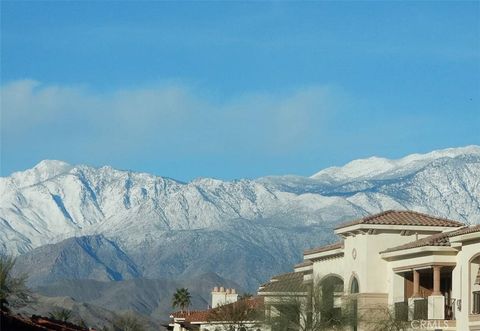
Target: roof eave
[[465, 237], [283, 293], [336, 251], [416, 250], [357, 228]]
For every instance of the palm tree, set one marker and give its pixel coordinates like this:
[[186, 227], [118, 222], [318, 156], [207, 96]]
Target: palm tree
[[181, 298], [12, 289], [61, 315]]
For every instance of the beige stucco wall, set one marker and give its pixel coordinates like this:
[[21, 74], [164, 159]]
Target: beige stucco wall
[[463, 281], [335, 266], [370, 268]]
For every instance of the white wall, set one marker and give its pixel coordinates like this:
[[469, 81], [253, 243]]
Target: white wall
[[463, 280]]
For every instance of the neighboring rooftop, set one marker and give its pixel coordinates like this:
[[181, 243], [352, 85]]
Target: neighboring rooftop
[[285, 283], [11, 322], [205, 315], [325, 248], [403, 217], [439, 239], [192, 315]]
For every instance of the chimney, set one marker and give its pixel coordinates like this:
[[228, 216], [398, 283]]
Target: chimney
[[222, 296]]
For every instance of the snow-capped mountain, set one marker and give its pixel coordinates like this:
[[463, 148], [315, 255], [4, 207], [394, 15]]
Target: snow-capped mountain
[[151, 217]]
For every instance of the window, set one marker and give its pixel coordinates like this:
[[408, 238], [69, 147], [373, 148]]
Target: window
[[354, 286], [476, 302]]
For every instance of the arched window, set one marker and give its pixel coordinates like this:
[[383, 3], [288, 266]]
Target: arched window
[[354, 286]]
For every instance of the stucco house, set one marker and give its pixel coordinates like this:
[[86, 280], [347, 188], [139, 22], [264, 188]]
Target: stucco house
[[417, 269], [423, 269]]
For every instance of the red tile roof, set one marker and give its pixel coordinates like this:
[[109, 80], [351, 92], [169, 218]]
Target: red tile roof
[[205, 315], [35, 323], [403, 217], [193, 315], [325, 248], [439, 239], [466, 230]]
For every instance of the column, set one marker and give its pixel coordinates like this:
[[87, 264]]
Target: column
[[436, 280], [416, 284], [416, 294], [436, 302]]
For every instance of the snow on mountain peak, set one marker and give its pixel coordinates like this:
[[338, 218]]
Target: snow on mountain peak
[[377, 167], [43, 171]]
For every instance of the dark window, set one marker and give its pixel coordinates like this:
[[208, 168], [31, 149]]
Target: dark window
[[476, 302], [420, 309], [354, 286], [401, 311]]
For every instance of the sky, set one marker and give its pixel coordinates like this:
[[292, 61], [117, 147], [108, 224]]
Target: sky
[[235, 89]]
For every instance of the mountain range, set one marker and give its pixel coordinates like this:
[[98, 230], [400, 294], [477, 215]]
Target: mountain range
[[79, 222]]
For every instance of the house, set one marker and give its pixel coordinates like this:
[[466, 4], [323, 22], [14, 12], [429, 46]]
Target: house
[[228, 311], [405, 265]]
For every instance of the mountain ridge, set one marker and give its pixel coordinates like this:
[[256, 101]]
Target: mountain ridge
[[161, 224]]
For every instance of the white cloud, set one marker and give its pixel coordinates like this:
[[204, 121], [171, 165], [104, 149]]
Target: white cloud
[[171, 116]]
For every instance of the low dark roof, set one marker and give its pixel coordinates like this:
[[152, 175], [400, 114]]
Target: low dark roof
[[325, 248], [403, 217], [291, 282], [439, 239]]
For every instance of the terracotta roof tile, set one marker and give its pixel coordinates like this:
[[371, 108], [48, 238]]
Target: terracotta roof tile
[[466, 230], [193, 315], [403, 217], [204, 315], [439, 239], [323, 248], [35, 323]]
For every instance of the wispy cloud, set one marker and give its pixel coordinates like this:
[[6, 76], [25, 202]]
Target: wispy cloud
[[166, 117]]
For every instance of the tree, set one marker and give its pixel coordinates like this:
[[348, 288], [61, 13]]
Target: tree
[[13, 291], [315, 309], [62, 314], [128, 322], [387, 318], [245, 295], [181, 298], [238, 315]]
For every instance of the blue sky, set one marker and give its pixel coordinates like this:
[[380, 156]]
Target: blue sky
[[236, 89]]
